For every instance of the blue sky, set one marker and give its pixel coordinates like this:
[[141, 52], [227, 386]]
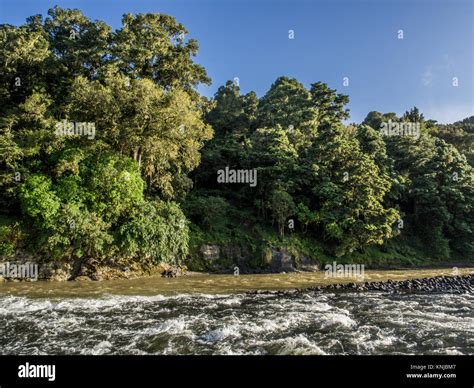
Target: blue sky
[[358, 39]]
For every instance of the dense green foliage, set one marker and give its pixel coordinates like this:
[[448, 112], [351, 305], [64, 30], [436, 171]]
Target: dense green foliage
[[110, 190], [321, 187], [345, 188]]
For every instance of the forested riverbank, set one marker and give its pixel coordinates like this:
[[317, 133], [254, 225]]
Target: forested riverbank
[[114, 166]]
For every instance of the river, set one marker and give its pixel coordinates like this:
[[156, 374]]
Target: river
[[213, 314]]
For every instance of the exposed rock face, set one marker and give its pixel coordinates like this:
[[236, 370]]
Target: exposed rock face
[[81, 270], [223, 259], [282, 261], [55, 271], [210, 252], [172, 271], [307, 264], [236, 255]]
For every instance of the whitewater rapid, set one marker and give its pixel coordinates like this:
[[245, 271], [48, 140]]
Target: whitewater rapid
[[306, 323]]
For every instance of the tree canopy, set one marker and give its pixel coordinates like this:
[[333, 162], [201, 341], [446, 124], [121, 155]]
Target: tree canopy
[[104, 139]]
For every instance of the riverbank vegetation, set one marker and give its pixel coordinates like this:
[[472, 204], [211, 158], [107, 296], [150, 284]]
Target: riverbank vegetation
[[108, 151]]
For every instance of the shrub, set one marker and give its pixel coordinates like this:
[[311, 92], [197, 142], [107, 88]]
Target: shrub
[[155, 230]]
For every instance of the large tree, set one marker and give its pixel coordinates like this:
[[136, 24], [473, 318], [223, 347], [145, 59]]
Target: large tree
[[348, 192], [136, 88]]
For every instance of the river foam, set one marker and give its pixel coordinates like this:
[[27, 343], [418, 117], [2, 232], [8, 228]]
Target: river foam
[[305, 323]]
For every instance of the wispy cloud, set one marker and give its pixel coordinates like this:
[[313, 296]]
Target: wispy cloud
[[433, 71], [427, 76]]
